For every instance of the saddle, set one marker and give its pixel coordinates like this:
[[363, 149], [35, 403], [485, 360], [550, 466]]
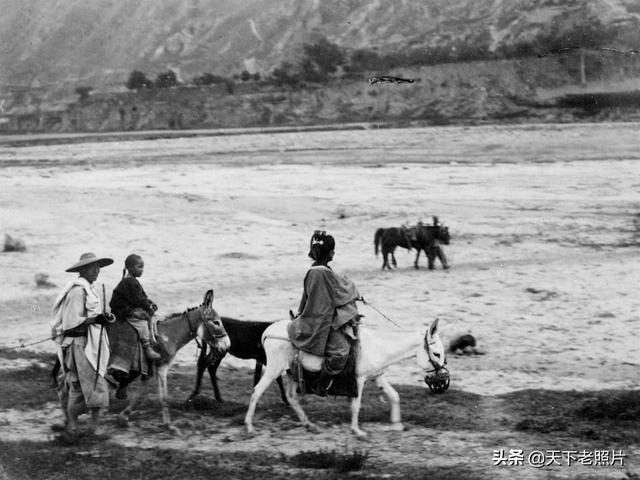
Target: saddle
[[305, 369]]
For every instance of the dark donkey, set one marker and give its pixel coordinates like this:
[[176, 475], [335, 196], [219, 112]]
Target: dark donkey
[[388, 239], [427, 238], [246, 343]]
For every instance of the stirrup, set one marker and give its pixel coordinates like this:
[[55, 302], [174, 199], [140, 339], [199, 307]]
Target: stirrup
[[321, 390]]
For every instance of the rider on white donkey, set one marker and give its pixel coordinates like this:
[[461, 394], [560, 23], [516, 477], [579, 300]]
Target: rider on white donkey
[[327, 314], [324, 326]]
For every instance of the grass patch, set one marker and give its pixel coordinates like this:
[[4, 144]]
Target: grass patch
[[608, 415], [323, 458], [26, 388], [104, 460], [620, 405], [91, 459]]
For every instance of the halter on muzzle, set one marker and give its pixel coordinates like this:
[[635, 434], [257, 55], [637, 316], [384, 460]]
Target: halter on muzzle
[[437, 379]]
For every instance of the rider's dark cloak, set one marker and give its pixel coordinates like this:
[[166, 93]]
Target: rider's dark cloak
[[328, 301]]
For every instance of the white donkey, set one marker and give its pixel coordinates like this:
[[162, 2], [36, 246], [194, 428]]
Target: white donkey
[[376, 354]]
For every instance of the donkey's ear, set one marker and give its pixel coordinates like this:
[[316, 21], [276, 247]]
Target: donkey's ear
[[208, 299], [433, 328]]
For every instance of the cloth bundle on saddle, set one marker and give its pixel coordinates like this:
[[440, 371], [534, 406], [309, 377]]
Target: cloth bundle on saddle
[[411, 232], [305, 370], [127, 353]]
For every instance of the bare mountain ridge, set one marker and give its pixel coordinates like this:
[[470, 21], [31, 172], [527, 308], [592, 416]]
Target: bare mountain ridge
[[55, 43]]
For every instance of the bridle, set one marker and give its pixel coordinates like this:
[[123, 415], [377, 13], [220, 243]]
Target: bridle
[[214, 353], [194, 331], [437, 379]]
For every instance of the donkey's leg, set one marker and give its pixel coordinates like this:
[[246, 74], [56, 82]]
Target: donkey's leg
[[431, 257], [355, 409], [257, 373], [415, 264], [393, 259], [270, 375], [394, 400], [294, 401], [283, 394], [201, 366], [213, 375], [133, 399], [163, 392], [385, 261], [278, 354]]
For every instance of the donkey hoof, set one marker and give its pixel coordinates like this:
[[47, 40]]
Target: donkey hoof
[[397, 427], [312, 427], [361, 434], [59, 427], [173, 430], [122, 421]]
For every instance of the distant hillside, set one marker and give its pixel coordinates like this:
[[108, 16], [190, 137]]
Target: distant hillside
[[457, 93], [64, 43]]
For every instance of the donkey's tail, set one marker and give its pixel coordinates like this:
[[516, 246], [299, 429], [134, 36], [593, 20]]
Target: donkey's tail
[[376, 238]]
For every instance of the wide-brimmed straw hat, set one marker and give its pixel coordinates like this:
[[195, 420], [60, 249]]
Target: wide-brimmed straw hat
[[87, 259]]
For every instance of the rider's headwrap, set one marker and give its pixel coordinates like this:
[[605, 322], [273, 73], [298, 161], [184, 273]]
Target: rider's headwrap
[[321, 244]]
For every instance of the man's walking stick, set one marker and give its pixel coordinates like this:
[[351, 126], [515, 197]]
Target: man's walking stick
[[95, 383]]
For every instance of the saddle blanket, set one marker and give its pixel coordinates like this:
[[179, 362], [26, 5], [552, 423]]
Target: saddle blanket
[[126, 351], [344, 384]]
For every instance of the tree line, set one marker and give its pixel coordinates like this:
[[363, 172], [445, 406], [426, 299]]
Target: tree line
[[323, 60]]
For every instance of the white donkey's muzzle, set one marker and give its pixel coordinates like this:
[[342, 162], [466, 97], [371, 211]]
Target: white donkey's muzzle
[[438, 380]]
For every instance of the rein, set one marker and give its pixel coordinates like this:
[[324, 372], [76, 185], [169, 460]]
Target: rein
[[192, 331], [385, 317]]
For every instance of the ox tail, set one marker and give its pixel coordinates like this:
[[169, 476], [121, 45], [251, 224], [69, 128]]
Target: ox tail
[[377, 238]]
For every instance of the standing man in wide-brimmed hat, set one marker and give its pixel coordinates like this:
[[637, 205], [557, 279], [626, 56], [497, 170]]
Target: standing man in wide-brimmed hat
[[77, 322]]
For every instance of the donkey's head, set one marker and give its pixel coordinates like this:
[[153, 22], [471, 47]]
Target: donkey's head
[[437, 375], [211, 330], [443, 234]]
